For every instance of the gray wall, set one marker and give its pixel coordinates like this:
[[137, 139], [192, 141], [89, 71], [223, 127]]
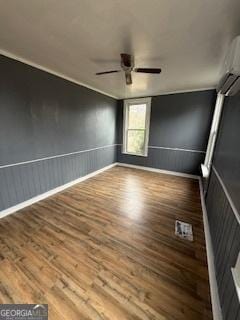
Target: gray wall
[[75, 128], [42, 116], [223, 205], [178, 121]]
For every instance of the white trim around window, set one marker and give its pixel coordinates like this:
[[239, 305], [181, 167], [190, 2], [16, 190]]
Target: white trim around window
[[206, 167], [127, 104]]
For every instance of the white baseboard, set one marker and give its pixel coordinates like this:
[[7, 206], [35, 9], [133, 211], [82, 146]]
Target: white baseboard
[[216, 308], [217, 314], [51, 192], [173, 173]]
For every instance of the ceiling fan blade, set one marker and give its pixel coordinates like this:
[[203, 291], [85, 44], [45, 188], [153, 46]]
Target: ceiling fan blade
[[106, 72], [128, 77], [126, 59], [148, 70]]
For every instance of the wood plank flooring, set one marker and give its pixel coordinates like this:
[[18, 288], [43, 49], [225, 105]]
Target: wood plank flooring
[[105, 249]]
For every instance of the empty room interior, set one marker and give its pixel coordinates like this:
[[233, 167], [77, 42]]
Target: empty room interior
[[120, 159]]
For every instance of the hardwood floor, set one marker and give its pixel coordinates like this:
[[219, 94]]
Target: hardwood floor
[[106, 249]]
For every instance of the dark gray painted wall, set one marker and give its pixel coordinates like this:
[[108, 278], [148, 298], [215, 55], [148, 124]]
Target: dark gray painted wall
[[225, 234], [41, 116], [172, 160], [227, 154], [177, 121], [224, 227]]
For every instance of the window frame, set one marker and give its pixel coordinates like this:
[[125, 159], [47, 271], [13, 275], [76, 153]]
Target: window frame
[[127, 104], [206, 166]]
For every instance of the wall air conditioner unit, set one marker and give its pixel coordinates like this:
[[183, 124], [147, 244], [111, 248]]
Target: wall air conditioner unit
[[229, 84]]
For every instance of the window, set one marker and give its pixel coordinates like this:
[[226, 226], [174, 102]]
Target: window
[[136, 126]]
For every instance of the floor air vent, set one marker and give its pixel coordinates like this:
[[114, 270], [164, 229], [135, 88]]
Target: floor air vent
[[183, 230]]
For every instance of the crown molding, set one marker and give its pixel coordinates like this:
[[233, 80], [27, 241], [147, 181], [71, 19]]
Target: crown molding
[[61, 75], [58, 74]]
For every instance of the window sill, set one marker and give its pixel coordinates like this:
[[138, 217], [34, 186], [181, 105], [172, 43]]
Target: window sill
[[135, 154]]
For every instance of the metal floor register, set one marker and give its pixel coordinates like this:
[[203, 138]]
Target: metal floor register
[[183, 230]]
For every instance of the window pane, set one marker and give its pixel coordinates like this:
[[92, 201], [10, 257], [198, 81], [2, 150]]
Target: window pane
[[135, 141], [136, 116]]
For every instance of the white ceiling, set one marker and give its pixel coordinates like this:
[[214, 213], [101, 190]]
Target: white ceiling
[[77, 38]]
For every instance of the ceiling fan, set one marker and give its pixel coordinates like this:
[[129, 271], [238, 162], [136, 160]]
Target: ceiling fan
[[127, 65]]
